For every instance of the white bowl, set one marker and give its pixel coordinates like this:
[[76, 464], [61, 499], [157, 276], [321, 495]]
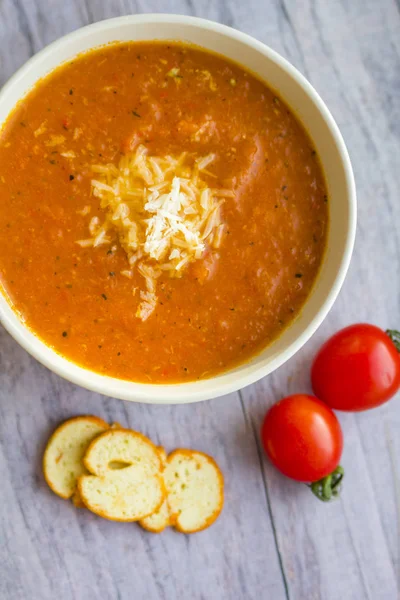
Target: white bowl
[[307, 105]]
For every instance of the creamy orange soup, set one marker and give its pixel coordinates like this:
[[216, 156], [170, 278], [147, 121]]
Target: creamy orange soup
[[227, 302]]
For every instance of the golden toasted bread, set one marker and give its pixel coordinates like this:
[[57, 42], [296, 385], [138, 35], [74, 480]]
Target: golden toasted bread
[[195, 493], [159, 520], [77, 500], [126, 483], [62, 460], [195, 488]]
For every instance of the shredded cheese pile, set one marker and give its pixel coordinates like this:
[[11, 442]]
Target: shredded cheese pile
[[163, 213]]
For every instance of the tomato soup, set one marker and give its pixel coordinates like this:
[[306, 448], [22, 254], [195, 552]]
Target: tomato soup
[[202, 121]]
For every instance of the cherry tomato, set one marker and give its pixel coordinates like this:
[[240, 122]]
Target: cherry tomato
[[356, 369], [302, 437]]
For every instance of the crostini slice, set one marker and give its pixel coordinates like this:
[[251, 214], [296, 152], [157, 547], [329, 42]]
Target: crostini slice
[[159, 520], [62, 459], [126, 482], [195, 493]]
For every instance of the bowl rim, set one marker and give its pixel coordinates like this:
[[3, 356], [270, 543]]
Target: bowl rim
[[230, 381]]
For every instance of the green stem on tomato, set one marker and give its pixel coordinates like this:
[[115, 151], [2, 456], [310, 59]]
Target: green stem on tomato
[[395, 337], [328, 488]]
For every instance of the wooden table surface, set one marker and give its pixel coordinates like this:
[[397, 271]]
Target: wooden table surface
[[274, 540]]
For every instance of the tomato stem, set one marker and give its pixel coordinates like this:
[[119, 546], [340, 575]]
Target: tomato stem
[[395, 337], [328, 488]]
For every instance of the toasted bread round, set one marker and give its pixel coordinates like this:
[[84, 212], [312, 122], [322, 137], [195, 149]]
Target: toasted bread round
[[195, 488], [62, 460], [126, 482], [77, 500], [195, 493], [159, 520], [163, 455]]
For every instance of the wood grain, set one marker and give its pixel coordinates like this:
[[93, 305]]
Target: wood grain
[[273, 540]]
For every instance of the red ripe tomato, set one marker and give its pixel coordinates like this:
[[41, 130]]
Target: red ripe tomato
[[302, 437], [356, 369]]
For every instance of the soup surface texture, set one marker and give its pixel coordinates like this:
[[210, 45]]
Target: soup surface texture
[[228, 303]]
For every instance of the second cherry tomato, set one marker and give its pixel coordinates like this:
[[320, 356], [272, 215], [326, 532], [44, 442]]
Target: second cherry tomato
[[302, 437]]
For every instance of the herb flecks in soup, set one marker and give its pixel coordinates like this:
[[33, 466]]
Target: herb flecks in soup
[[164, 214], [238, 287]]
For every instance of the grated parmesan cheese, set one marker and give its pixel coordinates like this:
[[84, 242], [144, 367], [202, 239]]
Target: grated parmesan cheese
[[77, 133], [84, 211], [40, 130], [55, 140], [174, 72], [163, 213]]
